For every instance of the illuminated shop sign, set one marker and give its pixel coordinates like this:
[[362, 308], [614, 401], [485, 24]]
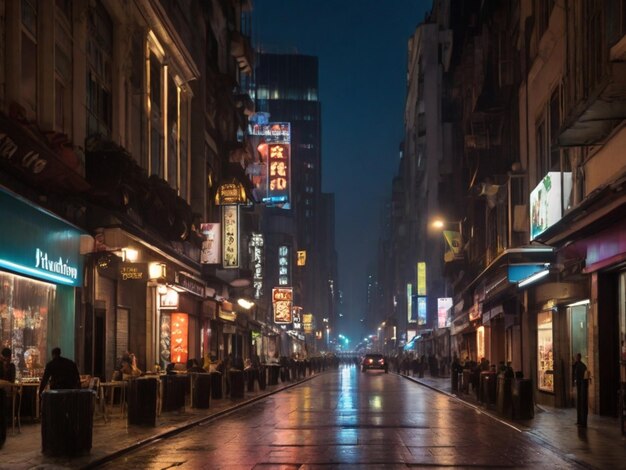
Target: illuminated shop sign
[[230, 236], [256, 257], [210, 252], [279, 174], [409, 303], [444, 304], [282, 301], [421, 310], [230, 193], [36, 243], [179, 337], [421, 278], [272, 131], [190, 284], [297, 318], [283, 265], [301, 258], [547, 201], [307, 323], [133, 272]]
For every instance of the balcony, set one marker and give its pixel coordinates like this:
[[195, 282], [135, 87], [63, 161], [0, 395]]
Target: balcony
[[591, 120]]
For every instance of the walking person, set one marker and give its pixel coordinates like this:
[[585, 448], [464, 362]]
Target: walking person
[[61, 372], [581, 380]]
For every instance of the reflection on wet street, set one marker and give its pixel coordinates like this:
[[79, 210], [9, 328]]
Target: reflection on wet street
[[349, 419]]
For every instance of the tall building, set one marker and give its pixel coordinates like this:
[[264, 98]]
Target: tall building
[[286, 87]]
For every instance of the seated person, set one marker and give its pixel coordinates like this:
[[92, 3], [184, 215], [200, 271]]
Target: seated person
[[129, 370], [193, 366]]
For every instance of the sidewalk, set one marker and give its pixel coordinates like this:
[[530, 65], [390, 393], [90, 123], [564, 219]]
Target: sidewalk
[[600, 445], [23, 451]]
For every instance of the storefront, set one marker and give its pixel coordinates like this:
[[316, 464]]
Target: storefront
[[41, 275]]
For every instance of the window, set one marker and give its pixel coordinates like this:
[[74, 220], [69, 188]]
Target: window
[[547, 131], [99, 70], [28, 83], [173, 106], [156, 117], [545, 353], [554, 113], [63, 67]]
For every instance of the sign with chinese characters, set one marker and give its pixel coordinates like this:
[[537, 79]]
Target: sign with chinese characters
[[421, 278], [297, 318], [547, 200], [283, 265], [179, 337], [272, 131], [282, 300], [301, 258], [230, 236], [230, 193], [307, 323], [279, 174], [444, 304], [210, 252], [256, 258]]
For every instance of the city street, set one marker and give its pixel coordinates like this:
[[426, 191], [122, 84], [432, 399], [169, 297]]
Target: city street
[[349, 419]]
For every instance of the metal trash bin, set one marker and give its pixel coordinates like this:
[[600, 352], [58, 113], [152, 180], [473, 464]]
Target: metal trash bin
[[236, 383], [142, 401], [251, 377], [5, 412], [201, 391], [174, 387], [262, 378], [274, 371], [67, 422], [454, 381], [523, 400], [487, 386], [216, 385], [504, 403]]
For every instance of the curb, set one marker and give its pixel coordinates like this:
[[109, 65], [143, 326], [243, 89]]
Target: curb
[[190, 424]]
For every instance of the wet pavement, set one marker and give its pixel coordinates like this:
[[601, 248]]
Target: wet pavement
[[348, 419], [340, 419]]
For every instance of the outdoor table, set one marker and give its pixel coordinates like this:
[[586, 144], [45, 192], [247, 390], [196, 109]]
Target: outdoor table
[[108, 395], [67, 422]]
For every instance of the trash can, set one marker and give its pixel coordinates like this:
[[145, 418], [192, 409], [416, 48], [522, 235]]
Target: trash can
[[142, 401], [251, 377], [66, 422], [487, 388], [262, 378], [273, 374], [467, 374], [201, 390], [523, 402], [454, 381], [236, 383], [174, 387], [216, 385], [4, 416], [504, 402]]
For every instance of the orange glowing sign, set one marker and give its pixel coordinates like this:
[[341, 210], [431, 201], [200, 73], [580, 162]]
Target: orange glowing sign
[[179, 337]]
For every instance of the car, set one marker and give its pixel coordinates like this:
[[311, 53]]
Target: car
[[374, 361]]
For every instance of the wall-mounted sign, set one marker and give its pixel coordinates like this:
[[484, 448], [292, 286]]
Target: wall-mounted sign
[[282, 300], [283, 266], [547, 201], [307, 323], [225, 311], [210, 252], [279, 174], [169, 299], [297, 318], [256, 259], [476, 310], [444, 304], [272, 131], [422, 315], [179, 337], [190, 284], [301, 258], [37, 243], [421, 278], [409, 303], [230, 236], [133, 272], [230, 193]]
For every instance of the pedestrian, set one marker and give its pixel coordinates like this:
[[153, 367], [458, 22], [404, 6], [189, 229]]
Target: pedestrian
[[7, 369], [61, 372], [580, 376]]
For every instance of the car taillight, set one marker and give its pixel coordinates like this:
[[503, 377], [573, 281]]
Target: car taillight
[[381, 361], [370, 361]]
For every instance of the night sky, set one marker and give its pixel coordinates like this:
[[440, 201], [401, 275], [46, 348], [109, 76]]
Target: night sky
[[362, 50]]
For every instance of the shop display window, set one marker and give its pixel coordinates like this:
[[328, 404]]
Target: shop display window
[[545, 356], [24, 308]]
